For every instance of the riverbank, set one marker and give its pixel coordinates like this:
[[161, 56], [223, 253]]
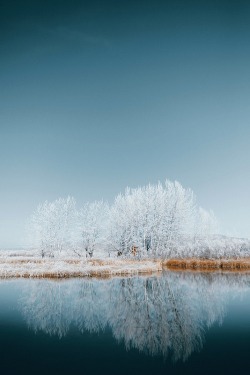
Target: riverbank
[[67, 268], [28, 265], [208, 264]]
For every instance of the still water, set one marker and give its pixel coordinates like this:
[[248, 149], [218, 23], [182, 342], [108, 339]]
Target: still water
[[176, 323]]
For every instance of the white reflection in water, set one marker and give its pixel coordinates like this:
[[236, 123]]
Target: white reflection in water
[[157, 315]]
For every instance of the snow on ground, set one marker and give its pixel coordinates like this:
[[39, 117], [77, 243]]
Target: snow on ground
[[25, 263], [28, 263]]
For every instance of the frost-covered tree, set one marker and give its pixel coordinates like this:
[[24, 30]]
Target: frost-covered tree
[[160, 220], [92, 222], [53, 225], [120, 230], [154, 219], [179, 213]]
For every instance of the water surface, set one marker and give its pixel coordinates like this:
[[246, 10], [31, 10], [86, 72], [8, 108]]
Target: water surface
[[177, 323]]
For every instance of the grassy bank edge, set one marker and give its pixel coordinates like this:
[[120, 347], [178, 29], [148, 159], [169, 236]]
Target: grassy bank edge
[[18, 267], [69, 268], [208, 264]]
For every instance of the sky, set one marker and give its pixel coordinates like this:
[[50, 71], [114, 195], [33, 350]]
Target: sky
[[99, 95]]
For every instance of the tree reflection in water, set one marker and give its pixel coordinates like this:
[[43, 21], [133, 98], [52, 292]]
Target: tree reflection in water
[[157, 315]]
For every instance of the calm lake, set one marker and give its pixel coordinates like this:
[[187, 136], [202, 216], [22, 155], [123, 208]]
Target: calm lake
[[176, 323]]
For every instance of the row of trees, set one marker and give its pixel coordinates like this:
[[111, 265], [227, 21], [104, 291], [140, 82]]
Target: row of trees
[[157, 220], [58, 227]]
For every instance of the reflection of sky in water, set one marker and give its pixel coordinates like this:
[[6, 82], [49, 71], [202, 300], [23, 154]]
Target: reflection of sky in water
[[9, 294], [132, 320]]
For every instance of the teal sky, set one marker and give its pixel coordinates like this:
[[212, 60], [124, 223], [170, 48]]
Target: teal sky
[[99, 95]]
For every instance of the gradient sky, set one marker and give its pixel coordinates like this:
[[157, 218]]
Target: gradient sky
[[99, 95]]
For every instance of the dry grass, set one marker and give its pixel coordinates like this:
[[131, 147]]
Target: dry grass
[[28, 267], [208, 264], [66, 268]]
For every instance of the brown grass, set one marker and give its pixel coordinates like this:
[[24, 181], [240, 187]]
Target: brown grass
[[208, 264], [107, 268], [67, 268]]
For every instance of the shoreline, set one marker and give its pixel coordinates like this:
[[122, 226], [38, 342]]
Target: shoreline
[[208, 264], [34, 267], [71, 268]]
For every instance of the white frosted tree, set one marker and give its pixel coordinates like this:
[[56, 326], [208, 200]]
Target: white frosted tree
[[121, 230], [92, 221], [53, 225], [160, 220], [155, 219], [178, 218]]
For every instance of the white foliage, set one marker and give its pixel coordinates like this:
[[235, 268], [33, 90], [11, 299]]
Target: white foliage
[[92, 222], [153, 219], [53, 225], [160, 220]]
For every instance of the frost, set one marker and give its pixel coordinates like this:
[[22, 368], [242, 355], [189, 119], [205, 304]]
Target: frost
[[156, 221]]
